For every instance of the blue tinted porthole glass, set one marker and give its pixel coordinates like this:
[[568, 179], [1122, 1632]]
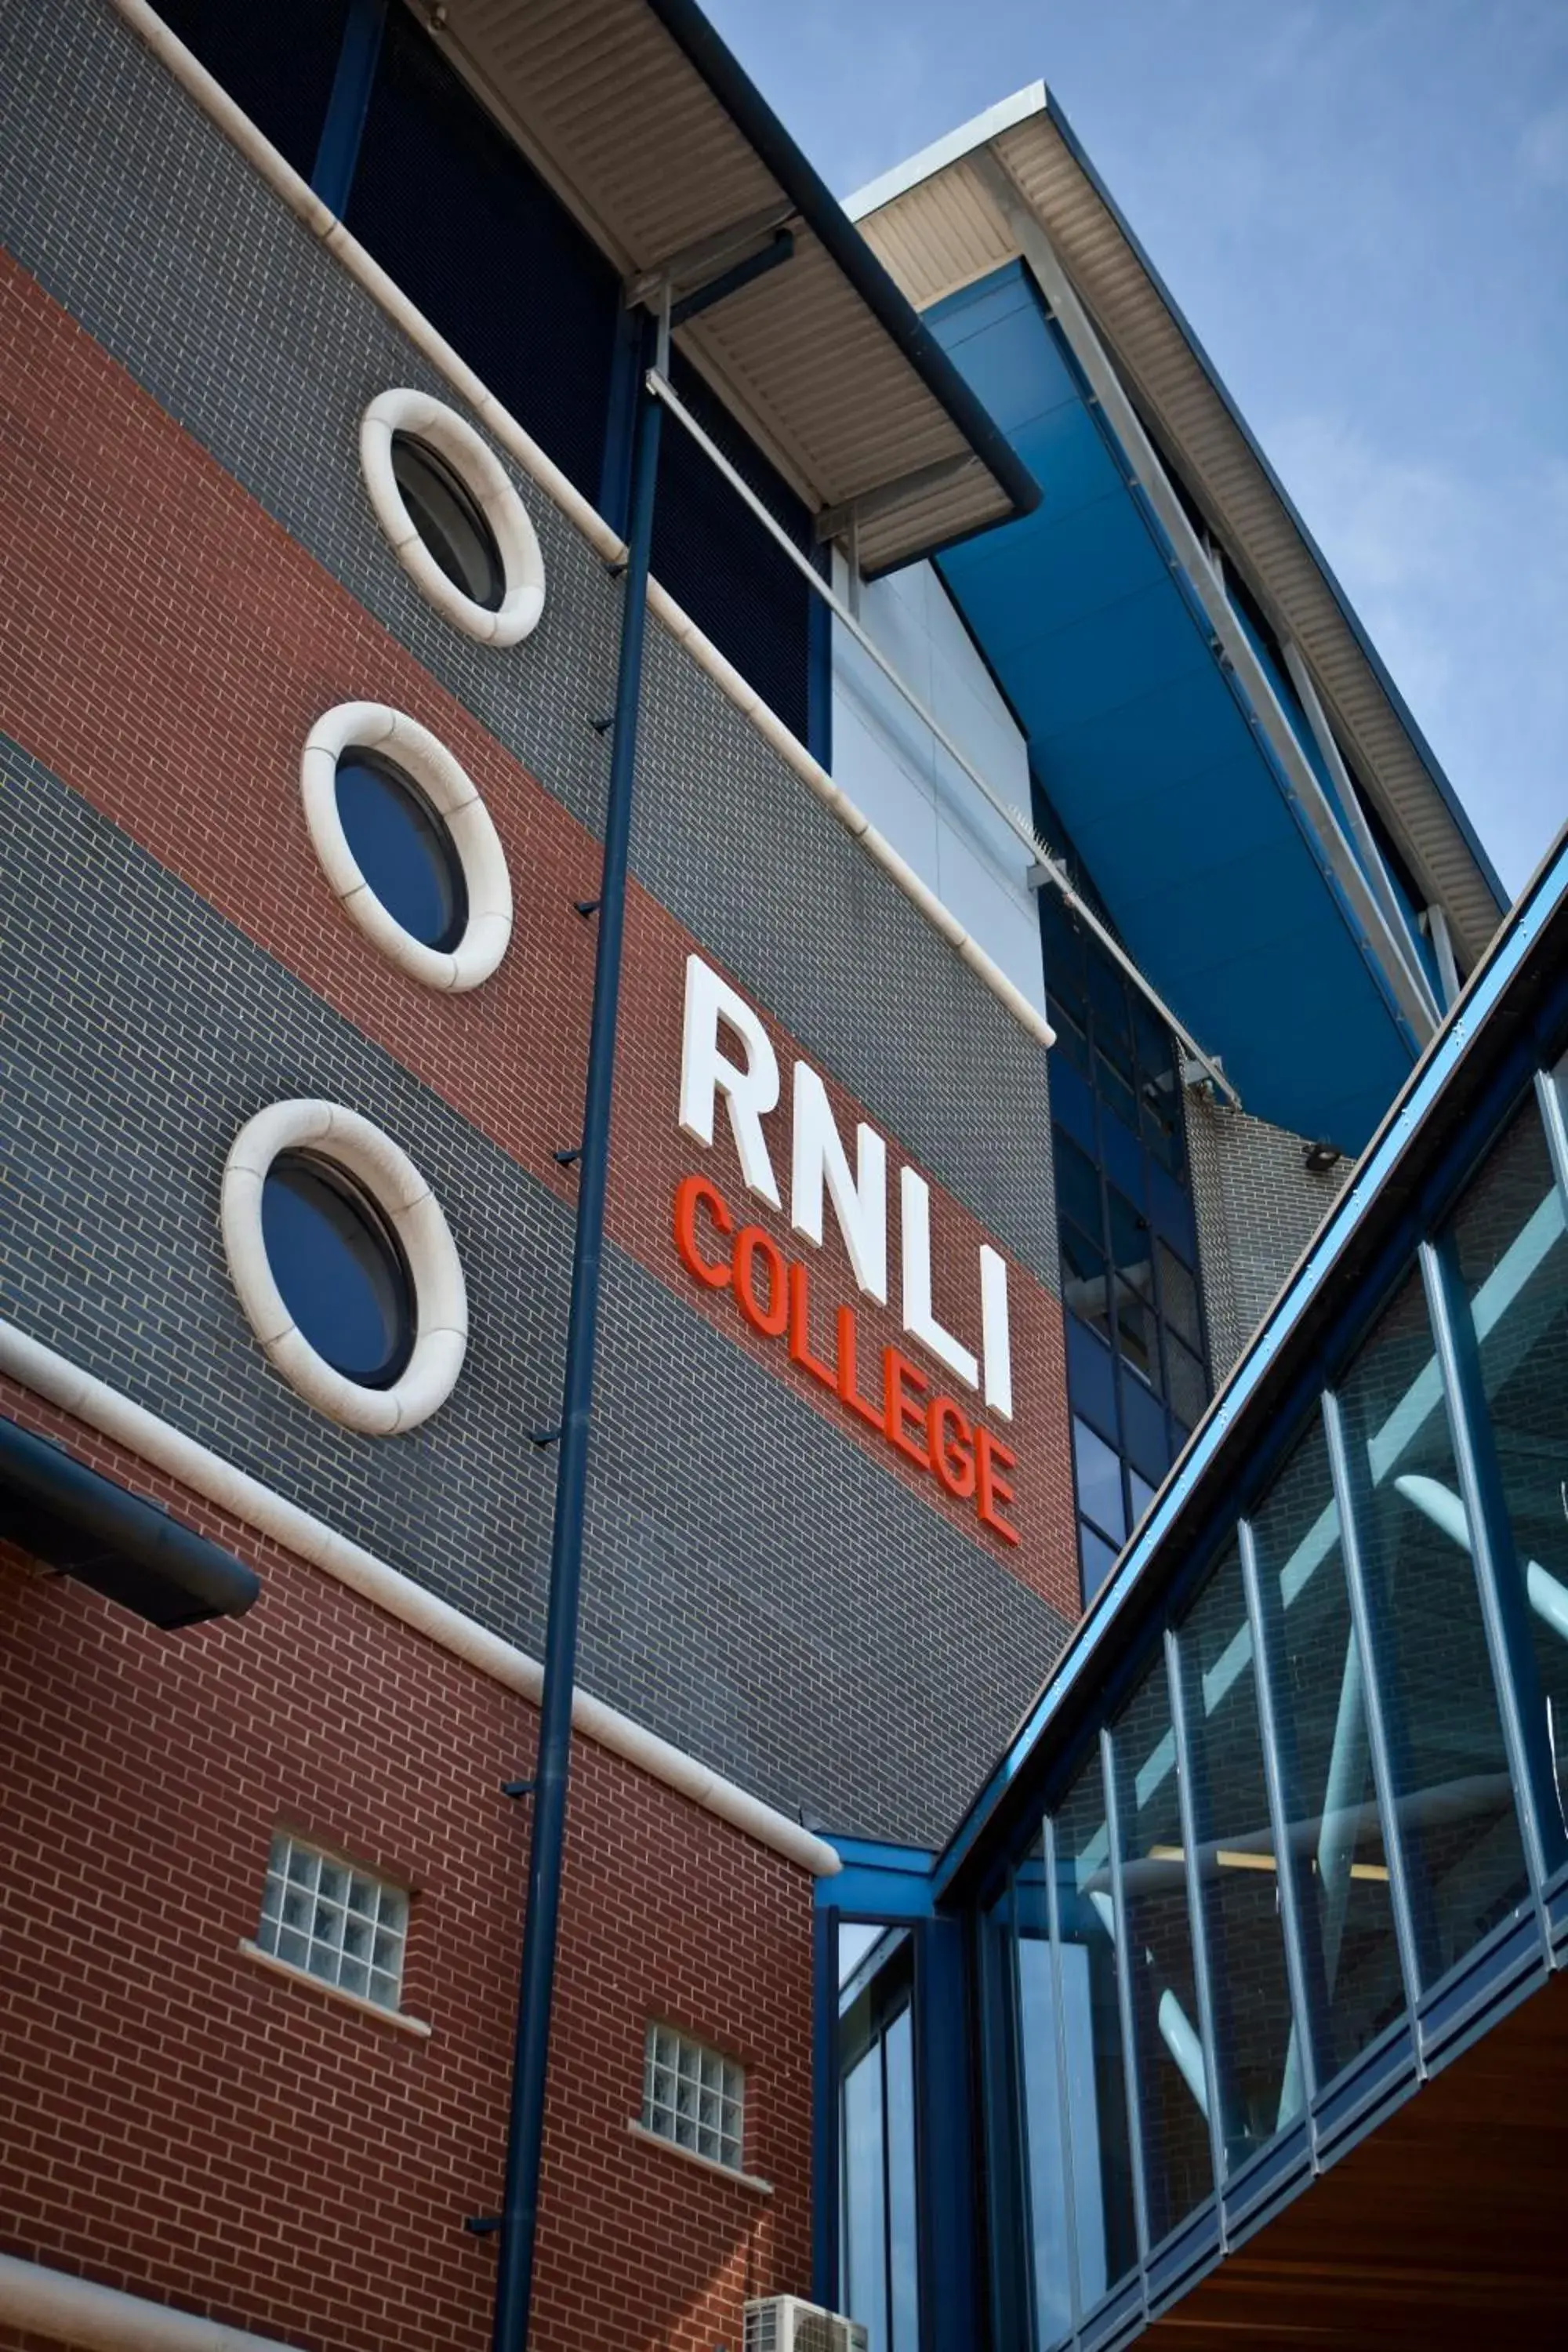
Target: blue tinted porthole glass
[[337, 1263], [450, 521], [403, 849]]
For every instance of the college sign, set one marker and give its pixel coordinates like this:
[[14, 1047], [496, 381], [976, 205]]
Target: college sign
[[932, 1419]]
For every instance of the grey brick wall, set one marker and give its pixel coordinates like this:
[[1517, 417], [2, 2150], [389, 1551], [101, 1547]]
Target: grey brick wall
[[849, 1651], [1257, 1207], [136, 214]]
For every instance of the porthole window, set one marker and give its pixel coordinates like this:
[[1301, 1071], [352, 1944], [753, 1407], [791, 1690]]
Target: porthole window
[[406, 843], [453, 515], [449, 521], [345, 1265], [338, 1264]]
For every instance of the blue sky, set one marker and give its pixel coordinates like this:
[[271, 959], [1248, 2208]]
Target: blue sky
[[1362, 206]]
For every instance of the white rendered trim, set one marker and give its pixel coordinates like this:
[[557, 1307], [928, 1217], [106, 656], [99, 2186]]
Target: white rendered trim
[[285, 1969], [489, 486], [52, 1377], [951, 147], [37, 2300], [751, 2180], [547, 476], [345, 1140], [451, 793]]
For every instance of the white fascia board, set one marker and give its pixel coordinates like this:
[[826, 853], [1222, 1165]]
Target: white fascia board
[[976, 133]]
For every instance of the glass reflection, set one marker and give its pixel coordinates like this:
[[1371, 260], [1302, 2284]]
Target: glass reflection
[[1260, 2080], [1450, 1766], [1334, 1830], [1042, 2104], [879, 2255], [1510, 1242], [1106, 2234], [1178, 2171]]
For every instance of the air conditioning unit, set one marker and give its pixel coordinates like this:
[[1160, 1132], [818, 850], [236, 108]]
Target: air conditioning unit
[[784, 2323]]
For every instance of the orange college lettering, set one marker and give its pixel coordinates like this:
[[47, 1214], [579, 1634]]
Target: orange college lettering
[[772, 1295]]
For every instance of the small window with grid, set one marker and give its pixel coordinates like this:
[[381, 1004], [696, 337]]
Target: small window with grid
[[693, 2096], [321, 1916]]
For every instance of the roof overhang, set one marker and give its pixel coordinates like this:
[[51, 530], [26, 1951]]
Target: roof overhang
[[937, 223], [84, 1526], [646, 127]]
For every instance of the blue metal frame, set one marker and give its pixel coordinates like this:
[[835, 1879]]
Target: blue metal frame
[[337, 152], [1182, 1500], [514, 2282]]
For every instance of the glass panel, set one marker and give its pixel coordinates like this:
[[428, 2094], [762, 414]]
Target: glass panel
[[1106, 2230], [1178, 2170], [449, 520], [1078, 1185], [865, 2213], [1099, 1481], [402, 848], [1096, 1557], [903, 2265], [341, 1276], [1115, 1091], [1107, 1000], [1042, 2104], [1136, 1335], [1334, 1832], [1085, 1281], [1143, 1496], [1260, 2083], [1449, 1766], [1512, 1256]]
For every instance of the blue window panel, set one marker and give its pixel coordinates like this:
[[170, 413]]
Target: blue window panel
[[1146, 752], [1046, 2159], [1098, 1470], [1143, 1422], [1072, 1104], [1171, 1214], [1091, 1379], [1090, 555], [1125, 1160]]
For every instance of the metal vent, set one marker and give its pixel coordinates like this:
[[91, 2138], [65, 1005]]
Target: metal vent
[[784, 2323]]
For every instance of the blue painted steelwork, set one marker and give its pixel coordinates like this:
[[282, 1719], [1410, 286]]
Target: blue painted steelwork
[[1445, 1065], [514, 2280], [331, 175], [824, 2181], [1383, 1463], [878, 1881], [620, 418], [1424, 750], [1141, 736]]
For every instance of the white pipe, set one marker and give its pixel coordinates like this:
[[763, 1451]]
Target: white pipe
[[38, 1367], [37, 2301], [1039, 854], [1545, 1595], [1179, 2038], [301, 200]]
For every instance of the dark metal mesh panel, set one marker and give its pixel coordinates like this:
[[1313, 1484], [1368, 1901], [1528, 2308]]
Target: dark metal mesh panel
[[276, 61], [461, 221]]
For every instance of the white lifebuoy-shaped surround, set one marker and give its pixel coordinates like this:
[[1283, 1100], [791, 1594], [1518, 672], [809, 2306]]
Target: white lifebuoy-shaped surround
[[410, 1208], [490, 486], [425, 761]]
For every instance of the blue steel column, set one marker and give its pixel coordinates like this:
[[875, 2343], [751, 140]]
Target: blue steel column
[[1377, 1740], [514, 2282], [824, 2182], [1501, 1592], [1291, 1921], [337, 154], [1186, 1801]]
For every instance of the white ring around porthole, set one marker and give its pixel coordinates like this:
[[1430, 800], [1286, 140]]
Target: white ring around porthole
[[487, 481], [426, 760], [440, 1298]]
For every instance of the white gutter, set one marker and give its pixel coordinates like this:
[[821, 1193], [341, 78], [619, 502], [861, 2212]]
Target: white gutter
[[37, 2301], [301, 200], [61, 1384]]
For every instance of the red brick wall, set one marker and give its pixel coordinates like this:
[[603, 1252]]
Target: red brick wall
[[167, 637], [182, 2123]]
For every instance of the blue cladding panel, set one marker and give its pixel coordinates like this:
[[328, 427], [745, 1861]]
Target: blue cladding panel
[[1138, 739]]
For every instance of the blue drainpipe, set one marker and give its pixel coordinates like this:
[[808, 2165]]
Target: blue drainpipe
[[520, 2216]]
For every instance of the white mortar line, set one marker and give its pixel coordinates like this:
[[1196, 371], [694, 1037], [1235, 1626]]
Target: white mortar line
[[519, 446], [61, 1384], [38, 2301]]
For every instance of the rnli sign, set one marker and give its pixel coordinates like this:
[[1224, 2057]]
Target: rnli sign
[[928, 1404]]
